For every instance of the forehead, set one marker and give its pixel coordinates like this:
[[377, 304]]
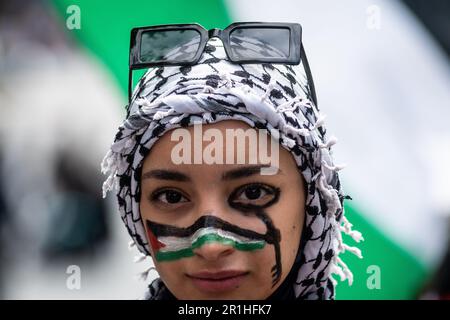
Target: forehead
[[234, 142]]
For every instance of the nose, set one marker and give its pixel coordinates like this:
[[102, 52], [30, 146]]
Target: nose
[[213, 246], [213, 250]]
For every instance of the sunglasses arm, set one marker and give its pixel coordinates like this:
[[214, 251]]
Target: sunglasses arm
[[308, 74], [130, 83]]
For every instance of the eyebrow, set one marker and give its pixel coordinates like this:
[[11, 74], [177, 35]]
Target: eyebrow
[[173, 175], [161, 174], [244, 172]]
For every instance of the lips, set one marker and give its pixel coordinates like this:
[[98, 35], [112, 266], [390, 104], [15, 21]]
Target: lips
[[219, 281]]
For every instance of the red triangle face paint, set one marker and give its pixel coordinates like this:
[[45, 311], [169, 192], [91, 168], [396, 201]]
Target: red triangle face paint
[[156, 245]]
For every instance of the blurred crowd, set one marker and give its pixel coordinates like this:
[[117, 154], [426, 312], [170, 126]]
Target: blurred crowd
[[58, 114]]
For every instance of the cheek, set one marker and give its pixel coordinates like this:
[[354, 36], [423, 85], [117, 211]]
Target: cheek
[[172, 274], [291, 240], [144, 207], [290, 223]]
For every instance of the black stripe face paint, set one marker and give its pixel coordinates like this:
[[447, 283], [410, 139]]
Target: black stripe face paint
[[272, 232], [164, 230]]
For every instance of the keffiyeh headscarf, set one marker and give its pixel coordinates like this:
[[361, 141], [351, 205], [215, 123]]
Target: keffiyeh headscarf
[[265, 96]]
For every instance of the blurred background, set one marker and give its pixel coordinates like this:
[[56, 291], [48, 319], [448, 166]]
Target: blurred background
[[382, 76]]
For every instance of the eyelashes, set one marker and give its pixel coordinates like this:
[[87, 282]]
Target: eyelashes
[[168, 197], [253, 196], [248, 196]]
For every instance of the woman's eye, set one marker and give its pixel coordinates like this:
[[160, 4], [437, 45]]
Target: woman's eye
[[169, 197], [254, 195]]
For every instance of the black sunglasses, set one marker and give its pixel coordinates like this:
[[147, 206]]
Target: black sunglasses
[[244, 42]]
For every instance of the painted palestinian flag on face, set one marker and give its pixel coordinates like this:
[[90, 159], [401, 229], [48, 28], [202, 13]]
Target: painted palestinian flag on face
[[169, 248], [172, 243]]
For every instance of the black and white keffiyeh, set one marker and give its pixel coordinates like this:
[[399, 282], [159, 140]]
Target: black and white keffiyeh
[[265, 96]]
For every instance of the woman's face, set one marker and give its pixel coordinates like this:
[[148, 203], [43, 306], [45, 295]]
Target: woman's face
[[221, 231]]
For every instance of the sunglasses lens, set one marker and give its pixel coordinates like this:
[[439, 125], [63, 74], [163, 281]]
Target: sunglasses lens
[[256, 43], [169, 45]]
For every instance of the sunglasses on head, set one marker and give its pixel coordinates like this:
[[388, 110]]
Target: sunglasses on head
[[244, 43]]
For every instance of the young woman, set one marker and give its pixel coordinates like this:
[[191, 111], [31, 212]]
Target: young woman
[[223, 169]]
